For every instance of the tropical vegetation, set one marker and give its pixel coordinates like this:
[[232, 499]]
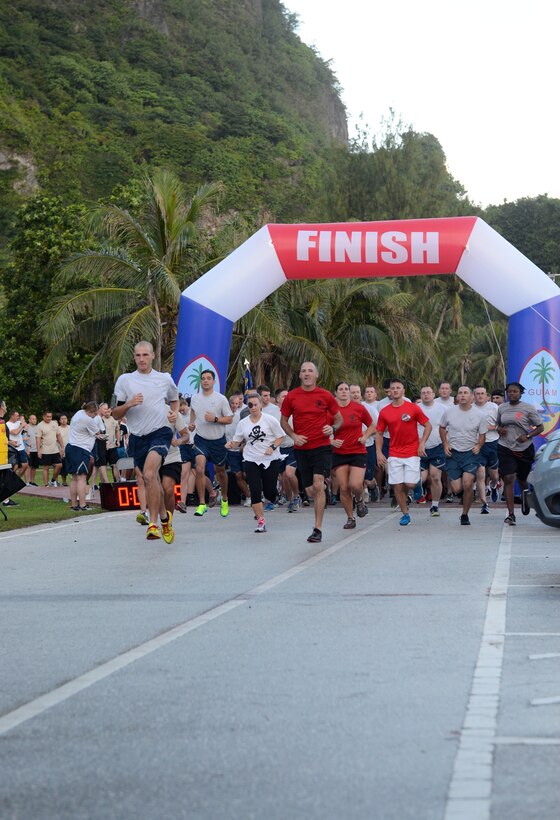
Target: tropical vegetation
[[141, 142]]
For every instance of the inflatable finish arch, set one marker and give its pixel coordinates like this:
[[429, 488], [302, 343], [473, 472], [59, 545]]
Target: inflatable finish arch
[[466, 246]]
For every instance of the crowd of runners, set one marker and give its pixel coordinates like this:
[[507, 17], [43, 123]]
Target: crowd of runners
[[292, 448]]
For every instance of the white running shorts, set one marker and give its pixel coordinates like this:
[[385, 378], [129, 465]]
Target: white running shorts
[[403, 470]]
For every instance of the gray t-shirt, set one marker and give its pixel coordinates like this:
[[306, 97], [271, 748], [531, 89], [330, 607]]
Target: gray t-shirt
[[31, 441], [157, 388], [435, 413], [518, 419], [216, 404], [463, 427], [272, 410], [374, 413], [490, 412], [231, 428]]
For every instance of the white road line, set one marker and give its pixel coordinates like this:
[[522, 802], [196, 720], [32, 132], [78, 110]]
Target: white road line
[[470, 789], [87, 519], [544, 656], [532, 634], [61, 693], [527, 741], [545, 701]]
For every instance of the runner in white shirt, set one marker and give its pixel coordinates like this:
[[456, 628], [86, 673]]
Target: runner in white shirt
[[371, 404], [150, 401], [84, 429], [210, 414], [170, 470], [445, 396], [235, 457], [288, 465], [432, 464], [262, 435], [489, 451]]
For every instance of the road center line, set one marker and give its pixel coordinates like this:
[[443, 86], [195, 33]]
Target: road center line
[[61, 693], [470, 789]]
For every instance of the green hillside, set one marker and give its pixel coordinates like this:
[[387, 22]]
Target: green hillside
[[93, 92], [97, 96]]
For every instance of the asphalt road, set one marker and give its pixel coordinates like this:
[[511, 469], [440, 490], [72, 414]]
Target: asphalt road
[[387, 672]]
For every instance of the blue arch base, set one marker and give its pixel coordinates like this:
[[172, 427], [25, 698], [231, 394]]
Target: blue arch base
[[200, 329], [534, 358]]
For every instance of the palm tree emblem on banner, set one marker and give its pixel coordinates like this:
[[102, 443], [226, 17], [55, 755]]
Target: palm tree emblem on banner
[[540, 377]]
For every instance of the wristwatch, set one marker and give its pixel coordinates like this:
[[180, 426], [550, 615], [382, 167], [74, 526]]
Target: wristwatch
[[215, 419], [273, 446]]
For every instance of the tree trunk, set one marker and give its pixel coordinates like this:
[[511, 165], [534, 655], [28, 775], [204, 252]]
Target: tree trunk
[[441, 318], [158, 341]]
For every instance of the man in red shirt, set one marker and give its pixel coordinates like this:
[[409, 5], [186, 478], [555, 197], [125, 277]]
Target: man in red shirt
[[310, 406], [403, 465]]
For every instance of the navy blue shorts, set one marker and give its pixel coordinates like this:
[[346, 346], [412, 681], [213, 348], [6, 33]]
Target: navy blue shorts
[[21, 458], [188, 454], [235, 461], [213, 450], [158, 441], [435, 456], [77, 460], [371, 463], [462, 462], [489, 454], [290, 460]]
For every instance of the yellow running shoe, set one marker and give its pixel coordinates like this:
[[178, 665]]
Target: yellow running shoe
[[153, 532], [167, 529], [143, 518], [224, 509], [201, 509]]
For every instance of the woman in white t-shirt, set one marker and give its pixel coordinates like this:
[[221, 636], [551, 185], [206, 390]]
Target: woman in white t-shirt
[[262, 435], [84, 429]]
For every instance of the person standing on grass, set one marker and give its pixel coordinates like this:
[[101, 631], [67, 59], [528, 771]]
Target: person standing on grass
[[32, 449], [150, 401], [17, 427], [50, 448], [83, 431], [64, 430]]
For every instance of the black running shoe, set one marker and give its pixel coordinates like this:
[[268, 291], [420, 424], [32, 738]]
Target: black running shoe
[[465, 520], [315, 536], [361, 508]]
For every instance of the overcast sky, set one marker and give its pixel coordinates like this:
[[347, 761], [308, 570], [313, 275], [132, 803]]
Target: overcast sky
[[481, 76]]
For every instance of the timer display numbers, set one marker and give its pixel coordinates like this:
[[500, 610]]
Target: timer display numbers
[[124, 496]]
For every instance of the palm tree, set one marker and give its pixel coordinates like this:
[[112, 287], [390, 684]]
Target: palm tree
[[543, 371], [128, 287], [351, 328]]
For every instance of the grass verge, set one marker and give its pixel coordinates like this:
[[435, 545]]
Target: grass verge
[[34, 510]]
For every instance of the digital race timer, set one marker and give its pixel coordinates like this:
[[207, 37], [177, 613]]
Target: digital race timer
[[124, 496]]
